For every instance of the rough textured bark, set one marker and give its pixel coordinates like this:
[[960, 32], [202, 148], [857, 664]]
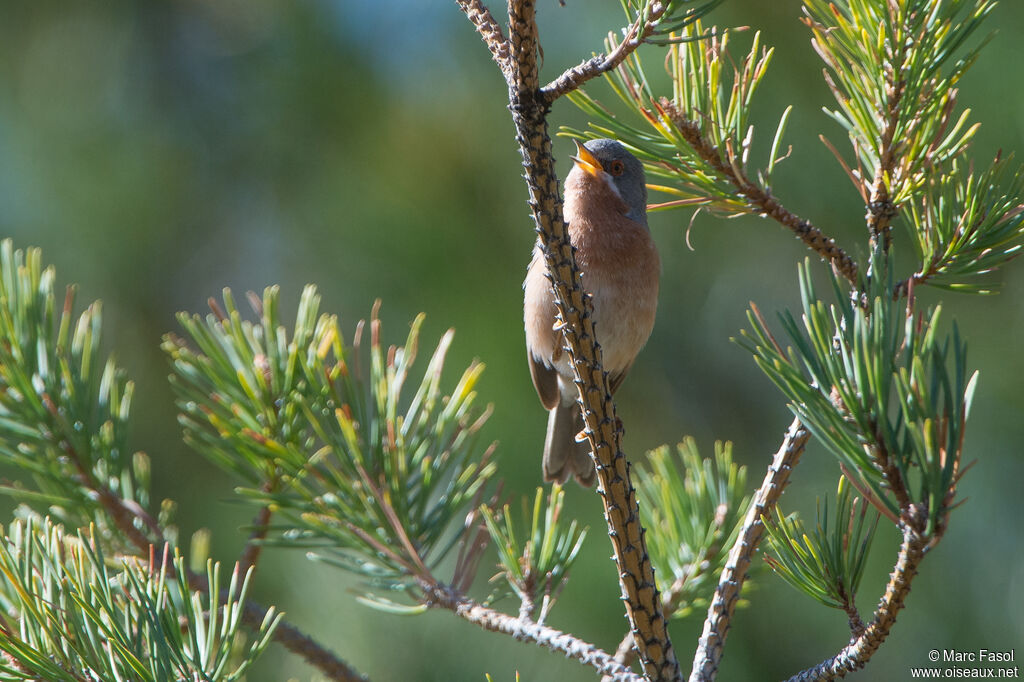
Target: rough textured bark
[[716, 627], [636, 573], [522, 628], [760, 198]]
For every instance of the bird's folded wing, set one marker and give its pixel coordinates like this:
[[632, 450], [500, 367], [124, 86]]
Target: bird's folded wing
[[545, 380]]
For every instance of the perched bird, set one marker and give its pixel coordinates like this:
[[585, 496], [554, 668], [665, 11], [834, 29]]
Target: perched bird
[[606, 209]]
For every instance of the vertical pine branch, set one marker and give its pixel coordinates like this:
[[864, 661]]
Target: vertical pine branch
[[529, 115]]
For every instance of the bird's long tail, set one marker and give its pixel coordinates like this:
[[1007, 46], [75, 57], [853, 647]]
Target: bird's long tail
[[563, 456]]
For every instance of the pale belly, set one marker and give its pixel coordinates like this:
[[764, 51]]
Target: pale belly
[[624, 300]]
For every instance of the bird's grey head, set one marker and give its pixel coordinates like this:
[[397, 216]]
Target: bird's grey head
[[621, 170]]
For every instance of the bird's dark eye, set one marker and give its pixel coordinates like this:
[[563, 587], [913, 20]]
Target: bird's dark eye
[[616, 168]]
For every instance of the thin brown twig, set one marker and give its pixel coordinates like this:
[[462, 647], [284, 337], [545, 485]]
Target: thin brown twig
[[887, 465], [881, 209], [634, 36], [261, 524], [857, 626], [716, 627], [760, 199], [301, 644]]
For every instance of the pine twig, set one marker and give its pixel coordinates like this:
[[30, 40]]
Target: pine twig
[[490, 30], [716, 627], [857, 653], [286, 634], [301, 644], [254, 545], [881, 210], [634, 36], [760, 199], [524, 629], [857, 626]]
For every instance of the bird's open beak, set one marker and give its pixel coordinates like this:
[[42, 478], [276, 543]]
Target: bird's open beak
[[585, 160]]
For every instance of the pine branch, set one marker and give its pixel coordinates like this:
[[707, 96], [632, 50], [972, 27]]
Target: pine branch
[[758, 198], [857, 653], [896, 92], [881, 209], [625, 652], [965, 224], [124, 513], [693, 510], [529, 114], [490, 30], [635, 35], [825, 561], [857, 626], [524, 629], [301, 644], [82, 614], [653, 18], [286, 634], [535, 556], [716, 627], [66, 412], [254, 545]]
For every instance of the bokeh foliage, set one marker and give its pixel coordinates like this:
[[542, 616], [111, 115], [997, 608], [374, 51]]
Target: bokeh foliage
[[321, 432]]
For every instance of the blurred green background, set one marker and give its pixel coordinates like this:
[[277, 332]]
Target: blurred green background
[[159, 151]]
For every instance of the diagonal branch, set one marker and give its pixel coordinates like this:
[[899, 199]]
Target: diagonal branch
[[301, 644], [634, 35], [260, 525], [716, 627], [856, 654], [490, 30], [254, 545], [524, 629], [760, 200]]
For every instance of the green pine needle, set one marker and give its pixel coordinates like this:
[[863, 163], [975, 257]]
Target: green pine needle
[[536, 566], [711, 90], [692, 509], [64, 406], [827, 563], [367, 478], [885, 391], [80, 614], [898, 62]]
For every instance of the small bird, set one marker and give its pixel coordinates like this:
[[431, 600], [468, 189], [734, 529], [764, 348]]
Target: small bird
[[606, 209]]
